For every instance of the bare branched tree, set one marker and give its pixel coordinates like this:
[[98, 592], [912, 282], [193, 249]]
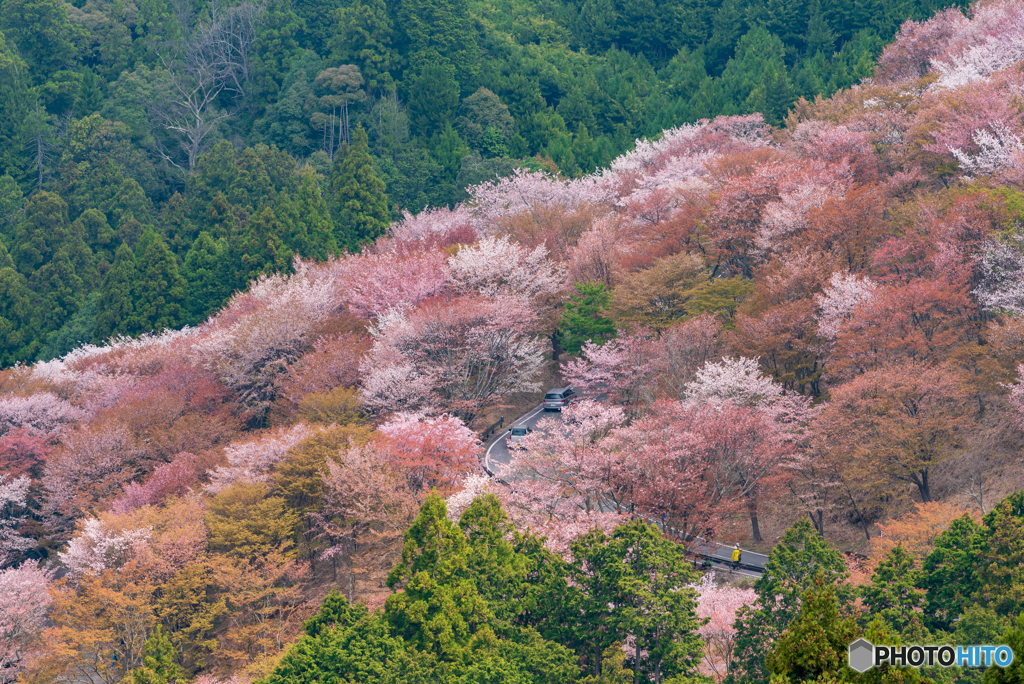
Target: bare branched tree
[[210, 58]]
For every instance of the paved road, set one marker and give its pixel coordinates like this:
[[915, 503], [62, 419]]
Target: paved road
[[497, 456]]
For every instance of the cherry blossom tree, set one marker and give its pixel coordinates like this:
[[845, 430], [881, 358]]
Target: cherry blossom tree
[[373, 283], [253, 460], [739, 380], [498, 267], [1017, 395], [523, 190], [432, 452], [685, 348], [332, 362], [13, 513], [23, 604], [1002, 268], [622, 368], [718, 605], [98, 547], [42, 412], [434, 225], [470, 351], [92, 464], [1001, 151], [23, 452], [699, 462], [573, 456], [836, 304], [473, 486], [170, 479]]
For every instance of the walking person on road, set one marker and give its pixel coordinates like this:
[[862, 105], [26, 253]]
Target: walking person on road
[[736, 555]]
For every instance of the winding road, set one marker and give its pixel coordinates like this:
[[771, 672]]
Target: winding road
[[497, 456]]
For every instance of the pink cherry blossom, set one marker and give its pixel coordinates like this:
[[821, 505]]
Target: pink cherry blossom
[[469, 352], [98, 547], [837, 303], [42, 412], [718, 605], [498, 267], [253, 460], [23, 604], [373, 283], [431, 451], [622, 367], [13, 512]]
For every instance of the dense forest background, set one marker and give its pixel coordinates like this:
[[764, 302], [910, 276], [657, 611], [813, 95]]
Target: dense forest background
[[157, 155]]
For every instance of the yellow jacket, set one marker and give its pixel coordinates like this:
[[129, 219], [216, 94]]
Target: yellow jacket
[[735, 555]]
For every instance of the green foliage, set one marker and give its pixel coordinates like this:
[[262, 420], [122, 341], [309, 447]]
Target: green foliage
[[634, 583], [116, 305], [1001, 567], [813, 647], [949, 573], [159, 667], [1014, 638], [792, 566], [358, 204], [892, 594], [160, 291], [583, 317]]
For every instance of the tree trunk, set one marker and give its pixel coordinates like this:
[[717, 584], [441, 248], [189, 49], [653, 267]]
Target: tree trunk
[[922, 486], [754, 528]]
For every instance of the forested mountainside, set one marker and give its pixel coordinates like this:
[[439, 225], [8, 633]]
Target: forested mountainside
[[804, 338], [212, 140]]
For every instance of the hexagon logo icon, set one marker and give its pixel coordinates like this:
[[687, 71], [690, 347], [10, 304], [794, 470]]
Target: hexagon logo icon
[[862, 655]]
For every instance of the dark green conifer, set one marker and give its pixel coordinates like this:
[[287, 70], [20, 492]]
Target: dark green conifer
[[358, 204]]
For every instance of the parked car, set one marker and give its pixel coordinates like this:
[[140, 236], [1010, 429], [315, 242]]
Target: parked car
[[558, 398], [515, 437]]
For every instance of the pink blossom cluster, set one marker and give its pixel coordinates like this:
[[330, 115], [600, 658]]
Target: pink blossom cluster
[[845, 292], [23, 604], [253, 460], [98, 547], [13, 502], [718, 604], [498, 267], [523, 190], [41, 412], [170, 479], [373, 283]]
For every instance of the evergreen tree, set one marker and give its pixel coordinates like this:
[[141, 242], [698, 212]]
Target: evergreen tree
[[116, 306], [813, 647], [1001, 562], [58, 291], [207, 290], [584, 317], [634, 583], [261, 251], [41, 232], [160, 290], [949, 573], [433, 99], [892, 594], [439, 609], [76, 331], [358, 204], [792, 565], [364, 38], [1014, 674], [312, 234], [17, 338], [159, 667]]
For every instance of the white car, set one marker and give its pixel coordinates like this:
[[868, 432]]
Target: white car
[[515, 437]]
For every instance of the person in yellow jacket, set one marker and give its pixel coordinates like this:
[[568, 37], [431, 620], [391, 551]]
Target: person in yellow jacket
[[736, 555]]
